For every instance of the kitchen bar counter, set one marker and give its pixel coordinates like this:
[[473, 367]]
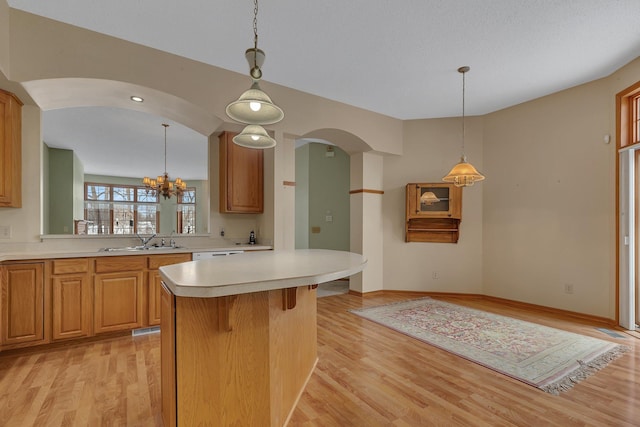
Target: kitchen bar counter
[[259, 271], [239, 334]]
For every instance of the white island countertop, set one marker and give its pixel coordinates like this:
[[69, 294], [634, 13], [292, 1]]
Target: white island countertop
[[259, 271]]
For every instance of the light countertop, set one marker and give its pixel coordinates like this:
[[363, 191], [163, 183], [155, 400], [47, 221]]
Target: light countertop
[[259, 271], [83, 253]]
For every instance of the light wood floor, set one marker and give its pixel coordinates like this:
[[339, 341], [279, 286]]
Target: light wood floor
[[367, 375]]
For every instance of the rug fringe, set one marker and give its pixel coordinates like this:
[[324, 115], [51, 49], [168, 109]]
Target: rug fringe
[[584, 371]]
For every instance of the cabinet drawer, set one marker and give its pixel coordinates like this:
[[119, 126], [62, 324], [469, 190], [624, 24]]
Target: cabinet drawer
[[72, 265], [158, 261], [120, 263]]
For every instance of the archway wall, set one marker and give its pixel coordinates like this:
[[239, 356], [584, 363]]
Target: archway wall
[[94, 69], [43, 49]]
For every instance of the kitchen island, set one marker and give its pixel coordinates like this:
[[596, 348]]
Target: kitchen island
[[239, 334]]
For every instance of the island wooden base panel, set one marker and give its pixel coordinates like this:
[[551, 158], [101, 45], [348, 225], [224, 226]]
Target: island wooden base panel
[[241, 360], [367, 375]]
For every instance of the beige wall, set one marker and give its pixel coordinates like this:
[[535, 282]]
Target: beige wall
[[549, 199], [549, 202], [4, 37], [431, 148], [45, 49]]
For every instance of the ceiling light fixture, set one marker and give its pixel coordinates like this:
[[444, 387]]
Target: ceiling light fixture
[[163, 185], [136, 98], [463, 173], [254, 107]]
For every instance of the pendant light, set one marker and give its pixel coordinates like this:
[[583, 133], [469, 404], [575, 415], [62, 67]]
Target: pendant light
[[463, 174], [254, 107], [162, 185], [254, 136]]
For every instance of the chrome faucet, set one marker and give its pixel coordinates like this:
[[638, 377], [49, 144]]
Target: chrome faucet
[[145, 240]]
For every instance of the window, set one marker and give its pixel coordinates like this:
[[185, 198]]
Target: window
[[628, 116], [120, 209], [187, 211]]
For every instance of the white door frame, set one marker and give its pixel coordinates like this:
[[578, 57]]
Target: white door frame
[[627, 240]]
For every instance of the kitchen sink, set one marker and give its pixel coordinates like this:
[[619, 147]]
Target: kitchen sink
[[140, 248]]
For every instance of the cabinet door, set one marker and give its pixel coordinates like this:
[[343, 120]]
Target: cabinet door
[[434, 201], [71, 306], [22, 301], [10, 150], [155, 292], [155, 282], [118, 301], [241, 177]]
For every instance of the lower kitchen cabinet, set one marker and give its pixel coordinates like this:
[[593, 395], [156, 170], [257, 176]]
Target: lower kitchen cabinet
[[22, 303], [71, 306], [155, 282], [118, 301], [56, 300]]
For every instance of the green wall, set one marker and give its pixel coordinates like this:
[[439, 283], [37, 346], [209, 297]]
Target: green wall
[[327, 187], [65, 172]]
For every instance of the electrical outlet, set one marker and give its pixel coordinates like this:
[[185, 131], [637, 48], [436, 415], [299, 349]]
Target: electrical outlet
[[435, 275], [568, 288], [5, 231]]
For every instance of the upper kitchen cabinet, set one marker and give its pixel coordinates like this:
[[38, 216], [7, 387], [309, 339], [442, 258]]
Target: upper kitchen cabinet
[[10, 150], [241, 177], [433, 212]]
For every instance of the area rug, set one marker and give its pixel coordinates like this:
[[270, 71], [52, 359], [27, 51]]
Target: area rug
[[547, 358]]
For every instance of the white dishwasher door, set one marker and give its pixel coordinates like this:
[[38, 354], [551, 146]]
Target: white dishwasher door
[[212, 254]]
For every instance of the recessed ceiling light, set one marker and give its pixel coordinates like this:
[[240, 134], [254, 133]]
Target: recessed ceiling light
[[137, 99]]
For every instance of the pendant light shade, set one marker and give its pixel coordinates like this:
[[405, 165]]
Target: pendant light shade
[[254, 136], [255, 107], [463, 174]]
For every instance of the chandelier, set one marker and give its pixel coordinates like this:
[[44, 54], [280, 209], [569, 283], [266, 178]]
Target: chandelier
[[254, 107], [463, 173], [162, 185]]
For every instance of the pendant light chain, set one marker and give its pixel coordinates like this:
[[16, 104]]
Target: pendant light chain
[[165, 146], [256, 72], [255, 24], [463, 70]]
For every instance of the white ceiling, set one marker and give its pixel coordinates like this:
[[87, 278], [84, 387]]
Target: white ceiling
[[397, 58]]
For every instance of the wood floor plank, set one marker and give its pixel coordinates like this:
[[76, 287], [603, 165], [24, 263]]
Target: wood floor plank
[[367, 375]]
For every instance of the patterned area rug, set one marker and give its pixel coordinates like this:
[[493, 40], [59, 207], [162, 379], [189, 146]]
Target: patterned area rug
[[544, 357]]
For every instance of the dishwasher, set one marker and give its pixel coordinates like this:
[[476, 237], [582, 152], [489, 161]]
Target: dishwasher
[[212, 254]]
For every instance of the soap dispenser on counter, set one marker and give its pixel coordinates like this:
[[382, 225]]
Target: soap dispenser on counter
[[252, 238]]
